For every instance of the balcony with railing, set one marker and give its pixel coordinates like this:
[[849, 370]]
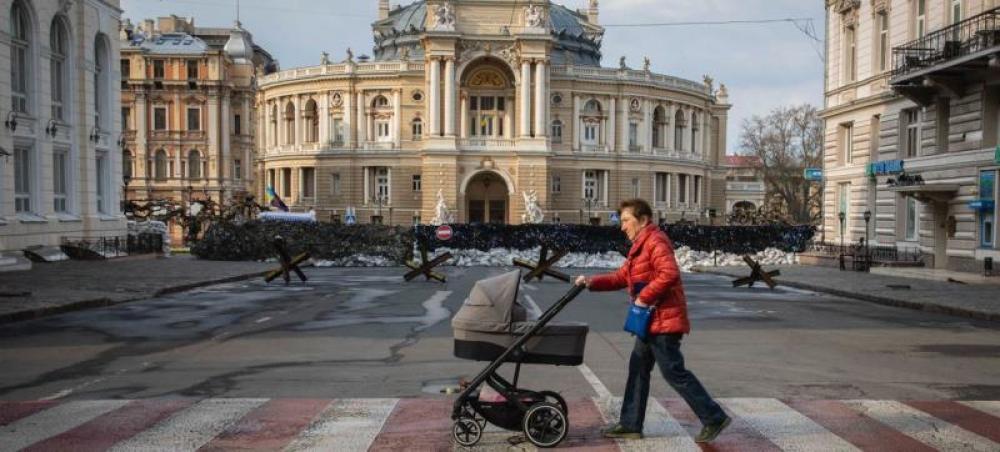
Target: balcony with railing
[[943, 59], [486, 144]]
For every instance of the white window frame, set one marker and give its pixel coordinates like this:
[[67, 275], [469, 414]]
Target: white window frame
[[335, 184], [60, 181], [661, 183], [25, 177], [590, 188], [633, 136], [161, 168], [194, 162], [58, 68], [237, 169], [913, 119], [166, 118], [556, 184], [636, 187], [919, 18], [383, 130], [382, 184], [847, 142], [557, 131], [197, 113], [416, 184], [882, 43], [21, 58], [101, 178], [956, 11], [911, 227], [682, 188], [850, 53], [417, 129]]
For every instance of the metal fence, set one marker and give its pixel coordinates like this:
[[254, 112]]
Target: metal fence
[[867, 255], [967, 37], [90, 248]]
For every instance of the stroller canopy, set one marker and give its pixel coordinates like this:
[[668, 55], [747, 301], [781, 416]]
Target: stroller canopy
[[492, 305]]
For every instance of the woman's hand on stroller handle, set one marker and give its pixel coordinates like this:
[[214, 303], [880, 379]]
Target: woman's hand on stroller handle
[[582, 281]]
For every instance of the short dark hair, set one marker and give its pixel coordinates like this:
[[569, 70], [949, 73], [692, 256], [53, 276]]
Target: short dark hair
[[640, 208]]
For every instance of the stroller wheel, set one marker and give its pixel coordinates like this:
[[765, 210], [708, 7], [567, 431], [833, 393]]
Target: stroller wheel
[[466, 431], [556, 399], [545, 424]]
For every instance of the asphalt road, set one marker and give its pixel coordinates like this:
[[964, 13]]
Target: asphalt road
[[363, 332]]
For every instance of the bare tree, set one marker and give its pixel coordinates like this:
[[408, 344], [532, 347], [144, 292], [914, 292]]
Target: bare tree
[[788, 140]]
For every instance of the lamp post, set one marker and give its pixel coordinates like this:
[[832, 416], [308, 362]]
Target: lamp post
[[590, 202], [126, 179], [380, 199], [868, 217], [842, 217]]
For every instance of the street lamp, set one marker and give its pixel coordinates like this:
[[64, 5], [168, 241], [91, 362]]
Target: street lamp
[[590, 203], [868, 217], [126, 179], [381, 199]]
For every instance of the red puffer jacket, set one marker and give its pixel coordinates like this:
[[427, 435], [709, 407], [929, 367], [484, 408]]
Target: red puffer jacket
[[651, 261]]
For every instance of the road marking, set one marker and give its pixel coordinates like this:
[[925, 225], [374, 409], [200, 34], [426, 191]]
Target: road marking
[[922, 426], [785, 427], [53, 421], [271, 426], [661, 431], [602, 391], [963, 416], [991, 407], [262, 319], [345, 425], [191, 428]]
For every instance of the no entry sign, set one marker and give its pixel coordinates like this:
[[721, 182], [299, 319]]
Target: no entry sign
[[444, 232]]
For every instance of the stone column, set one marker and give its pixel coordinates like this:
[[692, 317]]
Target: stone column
[[646, 132], [612, 124], [226, 158], [525, 100], [434, 98], [141, 151], [348, 118], [576, 124], [623, 125], [508, 118], [324, 119], [449, 97], [464, 120], [541, 88], [360, 124], [212, 153], [397, 118], [299, 114], [671, 117]]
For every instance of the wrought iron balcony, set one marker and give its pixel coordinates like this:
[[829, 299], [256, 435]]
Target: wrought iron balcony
[[947, 54]]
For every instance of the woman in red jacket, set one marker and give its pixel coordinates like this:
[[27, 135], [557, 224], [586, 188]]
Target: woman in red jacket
[[651, 275]]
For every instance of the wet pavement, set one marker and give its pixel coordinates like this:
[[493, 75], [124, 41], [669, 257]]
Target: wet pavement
[[364, 333]]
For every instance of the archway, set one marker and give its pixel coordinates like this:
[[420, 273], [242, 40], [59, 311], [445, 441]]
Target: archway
[[487, 97], [487, 199]]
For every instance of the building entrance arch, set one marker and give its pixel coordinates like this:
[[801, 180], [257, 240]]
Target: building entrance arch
[[487, 198]]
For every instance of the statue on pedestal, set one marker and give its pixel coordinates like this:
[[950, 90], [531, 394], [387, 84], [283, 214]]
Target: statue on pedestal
[[441, 213], [444, 18], [532, 213]]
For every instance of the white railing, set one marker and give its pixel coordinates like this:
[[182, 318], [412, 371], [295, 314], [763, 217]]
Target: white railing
[[486, 144], [594, 148], [342, 69], [660, 80], [378, 146], [745, 186]]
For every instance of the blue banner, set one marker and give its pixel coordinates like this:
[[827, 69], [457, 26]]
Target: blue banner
[[887, 167], [813, 174]]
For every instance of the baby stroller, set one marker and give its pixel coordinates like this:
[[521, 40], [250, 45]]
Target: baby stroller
[[493, 326]]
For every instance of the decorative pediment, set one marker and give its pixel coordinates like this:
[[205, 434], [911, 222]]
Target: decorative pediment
[[506, 51], [487, 78], [880, 6], [845, 6]]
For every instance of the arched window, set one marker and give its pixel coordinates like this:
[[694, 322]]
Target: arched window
[[557, 131], [58, 75], [20, 52], [380, 102], [101, 74], [659, 120], [381, 120], [679, 126], [127, 164], [289, 123], [311, 116], [592, 106], [194, 164], [160, 166], [694, 132], [418, 129]]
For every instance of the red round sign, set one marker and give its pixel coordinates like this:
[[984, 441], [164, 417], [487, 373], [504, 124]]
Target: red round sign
[[444, 232]]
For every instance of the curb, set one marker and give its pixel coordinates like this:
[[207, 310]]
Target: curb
[[927, 307], [32, 314]]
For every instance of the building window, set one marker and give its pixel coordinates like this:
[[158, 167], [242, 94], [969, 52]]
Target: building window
[[912, 218], [289, 123], [696, 190], [847, 143], [59, 47], [882, 21], [126, 118], [557, 131], [237, 169], [920, 18], [159, 118], [102, 72], [272, 176], [192, 69], [679, 126], [590, 132], [237, 124], [956, 11], [382, 131], [126, 71], [486, 116], [850, 54], [20, 66], [635, 187], [682, 188], [158, 69], [556, 184], [286, 182], [415, 182], [101, 181], [987, 216], [194, 164], [418, 129], [194, 119], [127, 163], [662, 181], [380, 184], [60, 181], [160, 167], [912, 119], [338, 132], [23, 179], [308, 182], [311, 118], [335, 184], [633, 136], [590, 187], [694, 133], [874, 130]]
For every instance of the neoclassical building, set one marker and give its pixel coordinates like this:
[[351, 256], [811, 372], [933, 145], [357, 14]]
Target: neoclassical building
[[913, 127], [482, 105], [187, 98], [60, 167]]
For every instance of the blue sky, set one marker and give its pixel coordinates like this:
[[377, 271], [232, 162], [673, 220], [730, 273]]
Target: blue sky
[[762, 65]]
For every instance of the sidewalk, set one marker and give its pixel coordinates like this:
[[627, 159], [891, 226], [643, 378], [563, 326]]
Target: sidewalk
[[57, 287], [978, 301]]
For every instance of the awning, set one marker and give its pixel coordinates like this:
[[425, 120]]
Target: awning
[[928, 192]]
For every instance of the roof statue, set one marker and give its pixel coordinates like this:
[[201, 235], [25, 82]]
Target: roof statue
[[534, 17], [444, 17], [404, 54], [710, 83], [324, 58], [621, 63], [645, 64], [350, 56], [723, 93]]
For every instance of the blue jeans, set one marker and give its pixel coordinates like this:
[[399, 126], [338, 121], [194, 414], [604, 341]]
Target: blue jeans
[[665, 350]]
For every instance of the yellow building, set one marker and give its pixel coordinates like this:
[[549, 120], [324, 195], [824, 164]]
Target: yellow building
[[187, 109], [480, 106]]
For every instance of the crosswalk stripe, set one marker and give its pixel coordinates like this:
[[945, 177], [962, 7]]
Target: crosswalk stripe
[[992, 407], [856, 428], [789, 429], [416, 424], [12, 411], [189, 429], [53, 421], [739, 436], [965, 417], [922, 426], [270, 426], [345, 424], [661, 432], [104, 431]]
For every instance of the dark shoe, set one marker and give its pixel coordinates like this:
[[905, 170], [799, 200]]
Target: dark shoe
[[710, 432], [618, 432]]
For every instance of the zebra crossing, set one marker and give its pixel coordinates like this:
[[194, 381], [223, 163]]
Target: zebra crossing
[[219, 424]]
